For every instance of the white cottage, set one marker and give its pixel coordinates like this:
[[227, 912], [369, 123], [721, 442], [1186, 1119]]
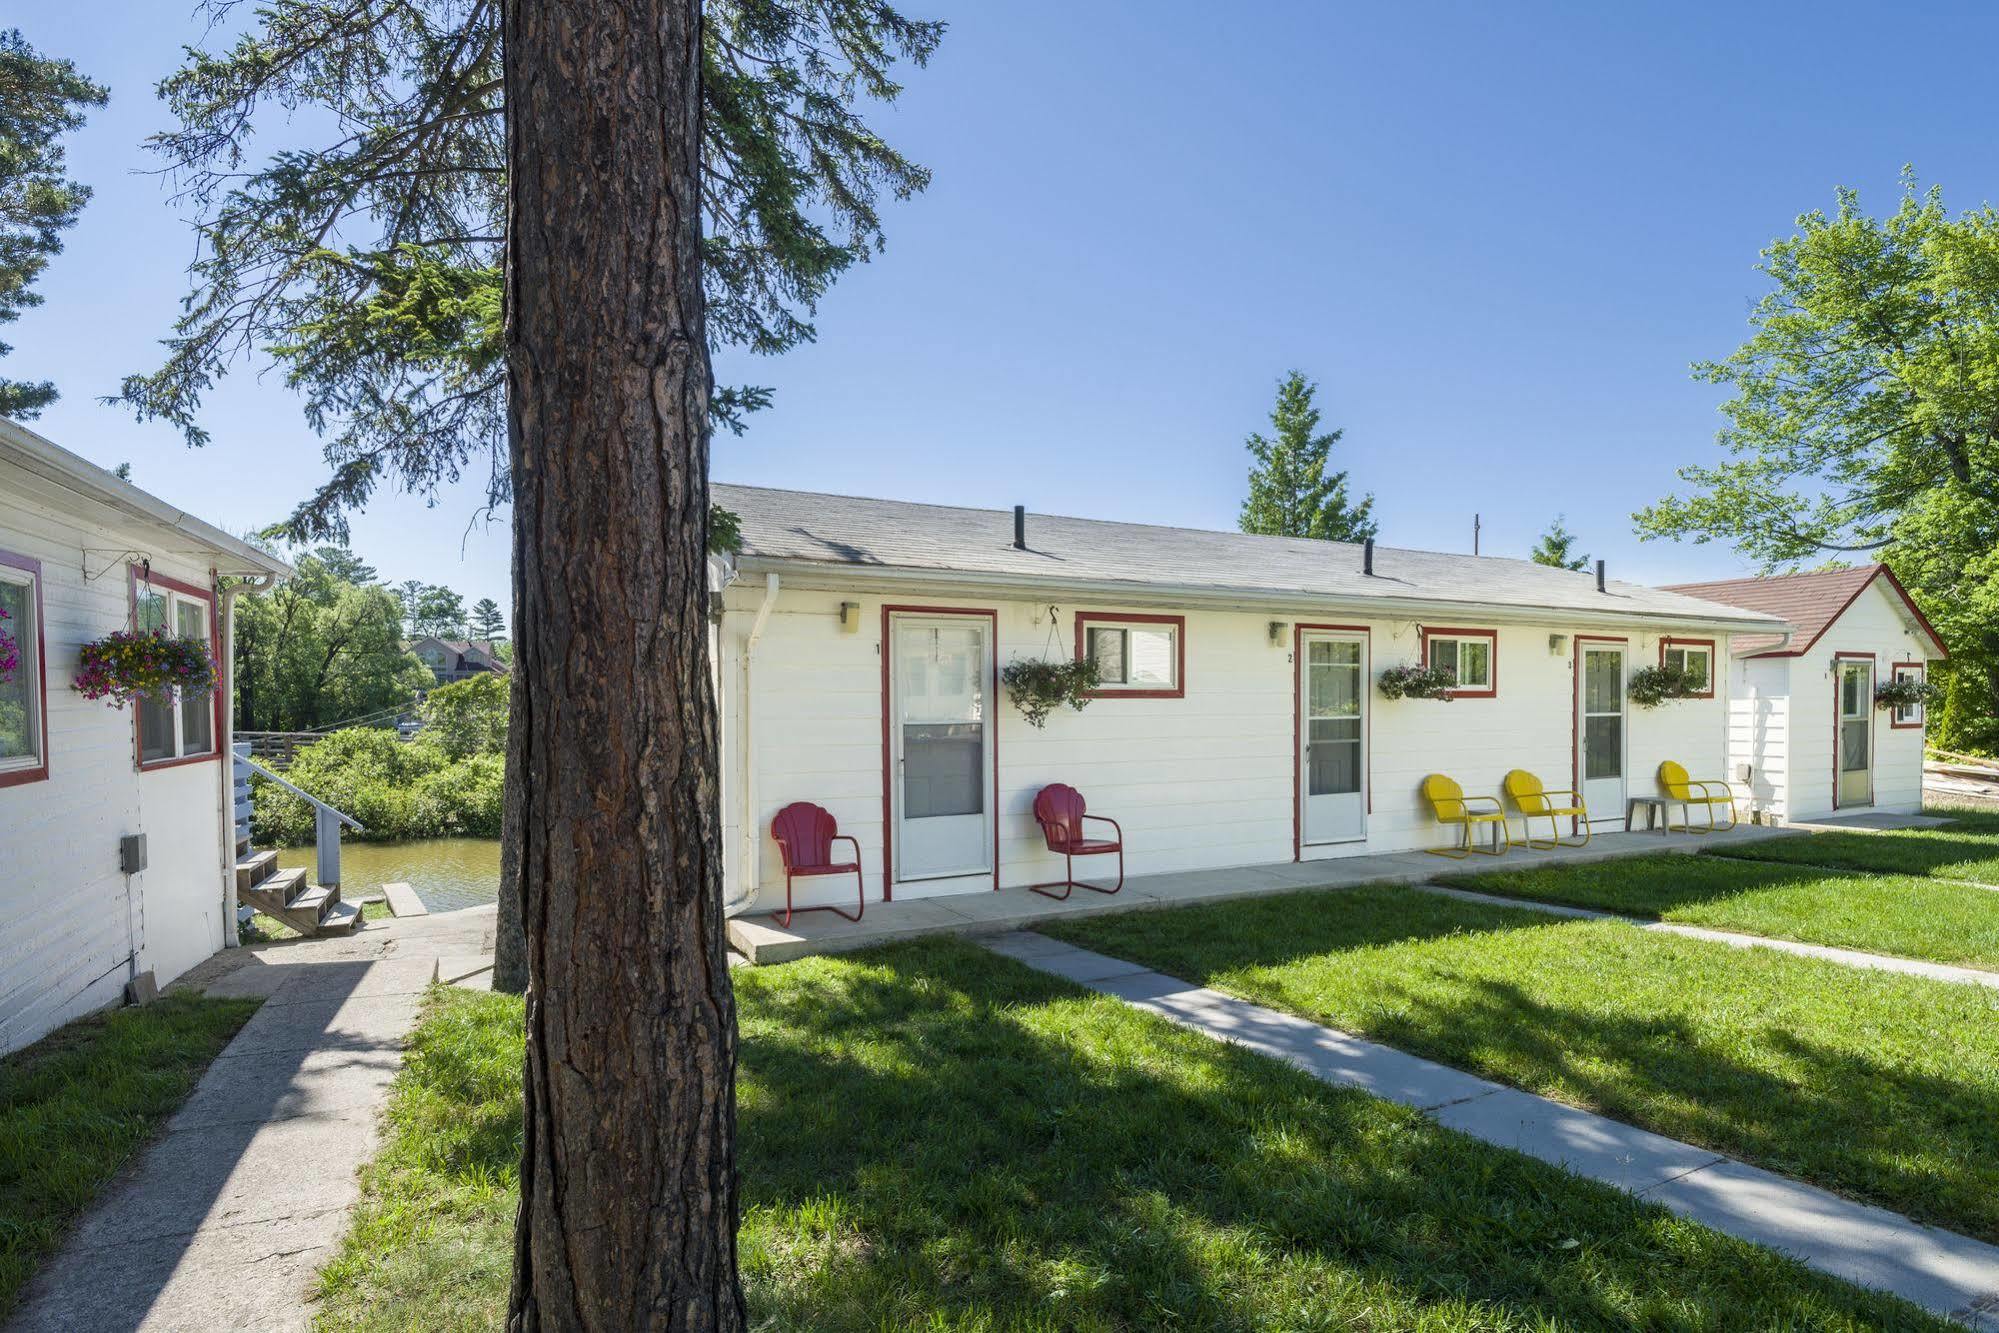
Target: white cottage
[[859, 641], [1805, 737], [82, 912]]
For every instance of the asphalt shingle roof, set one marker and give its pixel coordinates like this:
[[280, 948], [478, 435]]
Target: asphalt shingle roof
[[1811, 601], [836, 530]]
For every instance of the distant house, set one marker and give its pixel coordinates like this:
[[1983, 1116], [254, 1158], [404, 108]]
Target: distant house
[[453, 660], [82, 554], [1804, 733], [859, 642]]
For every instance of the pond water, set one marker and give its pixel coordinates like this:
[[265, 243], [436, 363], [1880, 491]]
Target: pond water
[[447, 873]]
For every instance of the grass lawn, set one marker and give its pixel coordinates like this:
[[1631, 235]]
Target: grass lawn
[[1967, 848], [1908, 915], [79, 1103], [934, 1137], [1879, 1086]]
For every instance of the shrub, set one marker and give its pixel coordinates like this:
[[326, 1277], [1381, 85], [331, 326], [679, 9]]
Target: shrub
[[397, 789], [468, 717]]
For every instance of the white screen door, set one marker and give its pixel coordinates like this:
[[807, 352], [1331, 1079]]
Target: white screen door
[[1600, 729], [1332, 744], [942, 741], [1856, 733]]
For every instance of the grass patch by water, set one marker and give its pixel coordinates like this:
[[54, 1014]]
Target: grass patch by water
[[1906, 915], [1879, 1086], [1966, 849], [934, 1137], [81, 1102]]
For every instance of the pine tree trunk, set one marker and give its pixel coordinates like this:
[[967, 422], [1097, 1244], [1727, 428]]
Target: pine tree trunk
[[628, 1202]]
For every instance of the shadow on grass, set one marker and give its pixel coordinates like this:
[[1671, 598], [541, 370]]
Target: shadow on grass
[[935, 1136], [1946, 853], [1654, 886], [1883, 1088]]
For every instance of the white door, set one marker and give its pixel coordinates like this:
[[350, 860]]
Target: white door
[[1600, 729], [1856, 733], [1332, 744], [941, 739]]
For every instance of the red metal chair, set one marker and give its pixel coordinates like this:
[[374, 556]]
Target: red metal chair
[[805, 836], [1060, 811]]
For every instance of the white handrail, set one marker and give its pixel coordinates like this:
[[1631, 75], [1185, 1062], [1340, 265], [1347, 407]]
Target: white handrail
[[306, 796]]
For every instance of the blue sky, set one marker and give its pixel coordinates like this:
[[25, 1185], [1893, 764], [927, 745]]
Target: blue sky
[[1495, 235]]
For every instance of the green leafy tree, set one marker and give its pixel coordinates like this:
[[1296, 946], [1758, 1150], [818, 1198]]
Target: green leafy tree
[[1864, 417], [440, 612], [1291, 493], [368, 267], [468, 717], [487, 622], [1554, 548], [41, 99], [321, 649]]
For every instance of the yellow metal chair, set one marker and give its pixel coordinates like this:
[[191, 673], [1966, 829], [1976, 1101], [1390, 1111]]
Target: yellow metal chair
[[1690, 792], [1451, 806], [1535, 801]]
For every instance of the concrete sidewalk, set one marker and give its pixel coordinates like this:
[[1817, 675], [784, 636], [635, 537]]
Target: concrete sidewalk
[[1951, 1275], [226, 1219]]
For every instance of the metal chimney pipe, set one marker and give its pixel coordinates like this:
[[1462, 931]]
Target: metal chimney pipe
[[1020, 527], [1599, 576], [1367, 557]]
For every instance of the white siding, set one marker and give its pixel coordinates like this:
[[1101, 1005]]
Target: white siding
[[1873, 624], [1759, 730], [73, 929], [1197, 782]]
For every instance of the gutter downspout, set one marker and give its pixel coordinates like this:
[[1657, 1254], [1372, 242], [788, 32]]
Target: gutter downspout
[[746, 861], [226, 770]]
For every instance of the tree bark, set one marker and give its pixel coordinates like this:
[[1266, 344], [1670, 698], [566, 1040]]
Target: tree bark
[[628, 1199]]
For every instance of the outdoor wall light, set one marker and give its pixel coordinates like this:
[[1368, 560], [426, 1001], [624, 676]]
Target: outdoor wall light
[[1558, 645], [1277, 629], [850, 617]]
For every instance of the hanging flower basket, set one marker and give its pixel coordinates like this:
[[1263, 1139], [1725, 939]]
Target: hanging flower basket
[[1888, 694], [1038, 688], [127, 664], [1417, 682], [1651, 686], [10, 650]]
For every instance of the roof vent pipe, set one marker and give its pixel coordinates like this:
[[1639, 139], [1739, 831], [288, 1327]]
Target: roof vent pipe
[[1367, 557], [1599, 576], [1020, 527]]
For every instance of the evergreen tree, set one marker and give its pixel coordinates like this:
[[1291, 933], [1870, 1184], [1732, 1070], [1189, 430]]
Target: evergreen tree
[[41, 99], [1554, 547], [1291, 494], [487, 622], [369, 265]]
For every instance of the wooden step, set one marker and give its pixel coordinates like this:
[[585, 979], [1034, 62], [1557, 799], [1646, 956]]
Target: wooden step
[[341, 919], [255, 870]]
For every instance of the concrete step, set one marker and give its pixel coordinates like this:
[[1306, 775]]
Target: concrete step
[[255, 870]]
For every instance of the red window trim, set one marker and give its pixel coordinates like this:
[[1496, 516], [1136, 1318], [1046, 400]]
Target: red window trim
[[33, 568], [1922, 718], [1713, 659], [157, 580], [1179, 690], [1425, 633], [888, 760], [1298, 633]]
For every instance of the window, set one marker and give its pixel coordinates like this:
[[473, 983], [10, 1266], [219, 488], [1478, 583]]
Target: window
[[173, 729], [1696, 658], [1140, 656], [1908, 716], [1471, 655], [24, 695]]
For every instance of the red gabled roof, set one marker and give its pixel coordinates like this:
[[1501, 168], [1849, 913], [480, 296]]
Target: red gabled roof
[[1809, 601]]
